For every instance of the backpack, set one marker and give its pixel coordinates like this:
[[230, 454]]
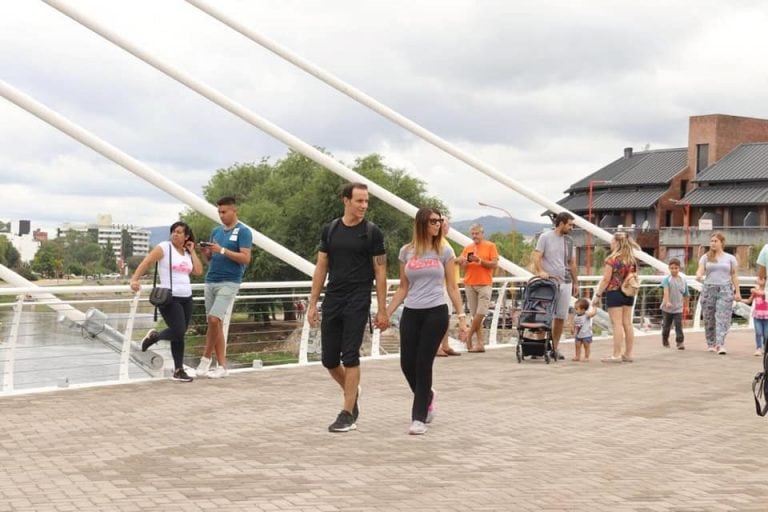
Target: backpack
[[760, 388]]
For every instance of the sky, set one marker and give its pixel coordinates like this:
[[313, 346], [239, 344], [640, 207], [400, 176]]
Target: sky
[[544, 92]]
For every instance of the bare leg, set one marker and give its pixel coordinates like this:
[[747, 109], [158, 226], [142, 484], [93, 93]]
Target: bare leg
[[577, 347], [587, 351], [214, 341], [557, 331], [348, 379], [629, 332], [618, 330], [477, 329]]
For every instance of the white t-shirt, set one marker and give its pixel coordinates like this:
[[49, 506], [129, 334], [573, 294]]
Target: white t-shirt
[[182, 267]]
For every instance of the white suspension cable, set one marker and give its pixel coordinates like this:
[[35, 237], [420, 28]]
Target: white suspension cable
[[143, 171], [259, 122], [406, 123]]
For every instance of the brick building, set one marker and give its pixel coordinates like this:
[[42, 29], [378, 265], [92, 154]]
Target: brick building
[[721, 178]]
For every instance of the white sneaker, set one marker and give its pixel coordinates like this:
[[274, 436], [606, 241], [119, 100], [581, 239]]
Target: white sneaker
[[711, 349], [203, 367], [218, 373], [758, 352], [417, 428], [722, 350]]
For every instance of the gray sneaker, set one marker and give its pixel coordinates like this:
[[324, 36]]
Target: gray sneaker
[[344, 423]]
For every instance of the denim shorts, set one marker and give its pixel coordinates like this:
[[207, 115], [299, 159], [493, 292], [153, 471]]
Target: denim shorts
[[616, 299]]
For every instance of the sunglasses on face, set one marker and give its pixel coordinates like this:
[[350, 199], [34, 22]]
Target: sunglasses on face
[[435, 222]]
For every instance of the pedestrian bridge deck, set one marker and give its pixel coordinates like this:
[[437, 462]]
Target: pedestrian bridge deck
[[675, 430]]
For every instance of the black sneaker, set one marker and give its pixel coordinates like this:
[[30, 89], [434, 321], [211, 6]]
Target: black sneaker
[[665, 343], [344, 423], [356, 408], [150, 339], [181, 375]]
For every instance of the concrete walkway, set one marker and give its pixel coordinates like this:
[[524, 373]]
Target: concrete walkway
[[673, 431]]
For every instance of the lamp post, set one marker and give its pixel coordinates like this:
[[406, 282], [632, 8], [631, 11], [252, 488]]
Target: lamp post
[[589, 217], [511, 219]]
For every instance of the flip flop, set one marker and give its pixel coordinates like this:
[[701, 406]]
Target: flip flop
[[477, 350], [451, 352], [611, 359], [441, 354]]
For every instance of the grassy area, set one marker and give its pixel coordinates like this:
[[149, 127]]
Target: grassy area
[[267, 358]]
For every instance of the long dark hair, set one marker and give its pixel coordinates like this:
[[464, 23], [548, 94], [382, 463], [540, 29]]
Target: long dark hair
[[422, 241]]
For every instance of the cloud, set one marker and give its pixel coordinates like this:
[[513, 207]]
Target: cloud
[[544, 92]]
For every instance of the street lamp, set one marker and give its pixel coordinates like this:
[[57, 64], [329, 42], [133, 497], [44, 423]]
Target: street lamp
[[511, 218], [589, 217]]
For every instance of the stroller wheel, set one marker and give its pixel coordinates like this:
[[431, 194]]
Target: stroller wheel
[[519, 353], [546, 357]]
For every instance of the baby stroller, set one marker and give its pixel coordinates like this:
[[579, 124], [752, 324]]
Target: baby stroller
[[534, 325]]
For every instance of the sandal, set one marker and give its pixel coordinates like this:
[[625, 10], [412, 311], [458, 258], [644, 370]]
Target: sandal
[[611, 359]]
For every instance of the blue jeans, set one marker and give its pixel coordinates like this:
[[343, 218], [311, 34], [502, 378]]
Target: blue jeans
[[761, 330]]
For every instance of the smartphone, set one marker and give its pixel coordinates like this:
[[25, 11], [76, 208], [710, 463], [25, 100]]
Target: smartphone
[[205, 244], [469, 255]]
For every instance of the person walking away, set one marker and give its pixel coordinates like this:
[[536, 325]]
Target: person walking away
[[351, 255], [582, 327], [478, 260], [228, 252], [675, 290], [759, 314], [553, 259], [426, 274], [618, 265], [717, 270], [176, 260]]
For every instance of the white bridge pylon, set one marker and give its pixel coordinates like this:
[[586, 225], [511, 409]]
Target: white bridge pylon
[[368, 101], [259, 122]]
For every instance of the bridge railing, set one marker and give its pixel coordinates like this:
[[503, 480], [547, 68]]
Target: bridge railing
[[55, 337]]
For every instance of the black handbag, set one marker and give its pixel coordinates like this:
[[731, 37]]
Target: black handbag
[[161, 297]]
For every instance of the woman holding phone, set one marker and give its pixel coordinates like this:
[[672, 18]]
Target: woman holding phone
[[176, 260]]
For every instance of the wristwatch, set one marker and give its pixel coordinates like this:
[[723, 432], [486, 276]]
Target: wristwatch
[[222, 251]]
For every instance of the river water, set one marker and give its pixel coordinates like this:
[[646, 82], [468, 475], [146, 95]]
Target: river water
[[50, 353]]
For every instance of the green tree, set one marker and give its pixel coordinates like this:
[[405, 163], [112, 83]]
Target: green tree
[[108, 260], [291, 200], [513, 247], [127, 244], [9, 256], [49, 259]]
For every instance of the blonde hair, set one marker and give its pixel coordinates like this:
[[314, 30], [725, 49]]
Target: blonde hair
[[711, 256], [624, 251]]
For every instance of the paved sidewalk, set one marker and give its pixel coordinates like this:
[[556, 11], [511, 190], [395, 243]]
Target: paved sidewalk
[[673, 431]]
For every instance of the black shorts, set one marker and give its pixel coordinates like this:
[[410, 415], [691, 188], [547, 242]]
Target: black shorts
[[616, 299], [343, 324]]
